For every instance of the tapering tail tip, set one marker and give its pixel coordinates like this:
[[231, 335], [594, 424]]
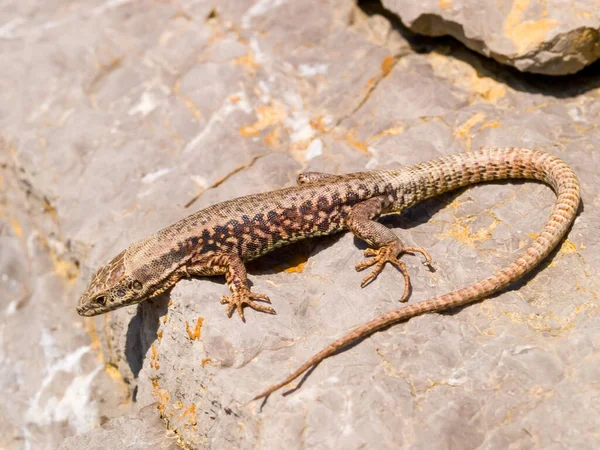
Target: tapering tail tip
[[278, 386], [269, 391], [261, 395]]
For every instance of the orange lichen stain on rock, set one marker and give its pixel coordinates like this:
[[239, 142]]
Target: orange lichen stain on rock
[[49, 209], [388, 368], [190, 414], [234, 99], [189, 104], [464, 76], [90, 328], [461, 231], [249, 131], [568, 247], [464, 130], [16, 226], [248, 62], [318, 124], [113, 372], [584, 290], [350, 138], [489, 124], [162, 396], [392, 131], [194, 334], [487, 88], [154, 358], [445, 4], [550, 322], [387, 65], [584, 129], [298, 264], [64, 269], [526, 34], [181, 443], [268, 115], [273, 139], [205, 361], [371, 83]]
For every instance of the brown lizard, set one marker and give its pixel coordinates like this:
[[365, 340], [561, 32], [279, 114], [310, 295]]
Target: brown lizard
[[219, 239]]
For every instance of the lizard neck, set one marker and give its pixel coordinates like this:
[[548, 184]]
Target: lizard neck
[[157, 260]]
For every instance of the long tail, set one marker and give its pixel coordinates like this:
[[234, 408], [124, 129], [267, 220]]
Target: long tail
[[448, 173]]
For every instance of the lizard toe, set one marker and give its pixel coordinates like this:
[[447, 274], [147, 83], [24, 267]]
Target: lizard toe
[[245, 297], [388, 254]]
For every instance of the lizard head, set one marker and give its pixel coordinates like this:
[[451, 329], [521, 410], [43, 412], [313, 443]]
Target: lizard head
[[110, 289]]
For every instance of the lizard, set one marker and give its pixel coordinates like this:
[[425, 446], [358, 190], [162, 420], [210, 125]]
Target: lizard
[[218, 240]]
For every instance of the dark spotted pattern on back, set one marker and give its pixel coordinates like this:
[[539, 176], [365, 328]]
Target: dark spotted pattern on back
[[253, 225]]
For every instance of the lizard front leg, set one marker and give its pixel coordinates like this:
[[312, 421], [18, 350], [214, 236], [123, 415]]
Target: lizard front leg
[[231, 265], [388, 247]]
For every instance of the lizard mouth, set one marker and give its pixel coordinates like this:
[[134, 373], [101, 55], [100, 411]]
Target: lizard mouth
[[86, 310]]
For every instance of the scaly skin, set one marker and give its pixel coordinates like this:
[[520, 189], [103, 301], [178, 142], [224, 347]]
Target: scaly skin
[[219, 239]]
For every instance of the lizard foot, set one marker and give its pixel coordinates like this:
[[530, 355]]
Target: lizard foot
[[389, 253], [245, 297]]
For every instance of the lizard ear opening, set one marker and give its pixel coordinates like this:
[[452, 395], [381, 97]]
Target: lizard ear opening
[[137, 285]]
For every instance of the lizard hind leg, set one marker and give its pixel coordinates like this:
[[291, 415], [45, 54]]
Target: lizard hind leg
[[388, 246]]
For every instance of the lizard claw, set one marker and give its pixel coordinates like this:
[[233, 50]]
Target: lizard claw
[[389, 253], [422, 251], [245, 297]]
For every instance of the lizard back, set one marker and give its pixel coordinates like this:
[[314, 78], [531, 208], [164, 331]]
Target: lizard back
[[253, 225]]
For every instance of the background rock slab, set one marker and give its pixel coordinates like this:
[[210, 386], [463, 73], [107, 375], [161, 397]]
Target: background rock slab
[[122, 118], [141, 431], [549, 37]]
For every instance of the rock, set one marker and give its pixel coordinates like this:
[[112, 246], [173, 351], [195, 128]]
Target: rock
[[51, 372], [552, 38], [141, 431], [122, 117]]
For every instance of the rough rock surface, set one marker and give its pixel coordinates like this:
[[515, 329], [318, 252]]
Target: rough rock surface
[[142, 431], [550, 37], [119, 118]]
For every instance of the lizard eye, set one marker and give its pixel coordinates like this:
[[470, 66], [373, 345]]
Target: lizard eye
[[137, 285], [121, 293], [101, 300]]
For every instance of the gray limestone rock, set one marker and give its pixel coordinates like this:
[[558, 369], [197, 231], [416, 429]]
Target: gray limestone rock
[[548, 37], [142, 431]]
